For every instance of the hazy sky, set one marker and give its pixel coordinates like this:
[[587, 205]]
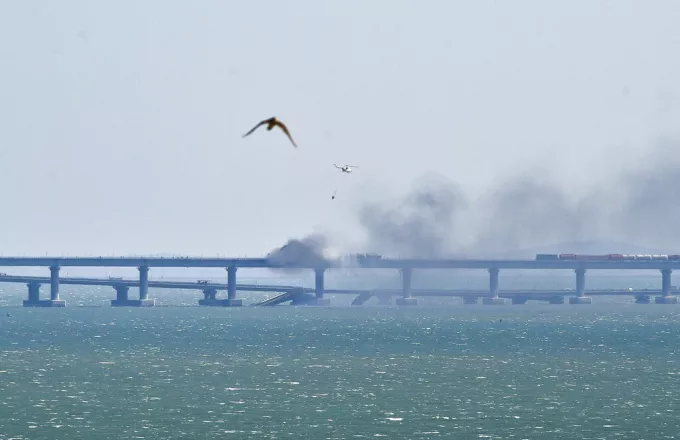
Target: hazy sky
[[122, 121]]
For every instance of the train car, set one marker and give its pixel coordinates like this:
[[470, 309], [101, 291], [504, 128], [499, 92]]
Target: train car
[[629, 257], [615, 257], [567, 256], [643, 257], [674, 257], [659, 257], [592, 257], [542, 257]]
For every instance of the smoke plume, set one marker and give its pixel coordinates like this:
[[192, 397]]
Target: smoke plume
[[309, 251], [639, 205], [420, 225]]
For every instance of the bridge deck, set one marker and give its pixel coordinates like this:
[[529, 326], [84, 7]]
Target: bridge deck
[[282, 288], [385, 263]]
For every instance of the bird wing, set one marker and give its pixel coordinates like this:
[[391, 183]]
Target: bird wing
[[285, 130], [353, 166], [337, 166], [255, 127]]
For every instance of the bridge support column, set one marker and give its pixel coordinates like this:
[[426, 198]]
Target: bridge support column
[[494, 300], [123, 300], [407, 299], [209, 298], [231, 300], [54, 300], [319, 300], [33, 295], [143, 300], [580, 297], [666, 297]]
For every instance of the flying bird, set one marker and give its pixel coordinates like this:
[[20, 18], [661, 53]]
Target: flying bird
[[345, 168], [271, 123]]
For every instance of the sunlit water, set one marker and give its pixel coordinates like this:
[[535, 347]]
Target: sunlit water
[[605, 371]]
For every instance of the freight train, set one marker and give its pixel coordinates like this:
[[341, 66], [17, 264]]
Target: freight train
[[605, 257]]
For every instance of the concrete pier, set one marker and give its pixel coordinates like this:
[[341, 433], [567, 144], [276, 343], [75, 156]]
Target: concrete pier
[[407, 299], [122, 299], [580, 297], [54, 300], [231, 300], [35, 301], [494, 300], [209, 298], [143, 282], [319, 289], [666, 297], [33, 295]]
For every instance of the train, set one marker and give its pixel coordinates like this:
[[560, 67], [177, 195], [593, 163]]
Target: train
[[606, 257]]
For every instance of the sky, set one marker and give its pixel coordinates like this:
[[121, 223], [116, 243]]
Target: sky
[[122, 122]]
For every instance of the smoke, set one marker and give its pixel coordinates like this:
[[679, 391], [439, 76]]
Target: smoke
[[312, 250], [639, 205], [420, 225]]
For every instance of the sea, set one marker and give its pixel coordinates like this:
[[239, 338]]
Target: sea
[[441, 369]]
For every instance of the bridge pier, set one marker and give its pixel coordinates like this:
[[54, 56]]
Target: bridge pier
[[407, 299], [33, 295], [231, 300], [210, 298], [666, 297], [319, 288], [494, 300], [122, 291], [580, 297], [54, 300], [123, 300]]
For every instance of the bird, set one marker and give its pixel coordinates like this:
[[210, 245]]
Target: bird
[[271, 123], [345, 168]]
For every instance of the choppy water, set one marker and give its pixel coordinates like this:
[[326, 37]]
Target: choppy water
[[604, 371]]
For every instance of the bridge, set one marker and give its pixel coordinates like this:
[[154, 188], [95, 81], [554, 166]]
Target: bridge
[[405, 266], [304, 295], [367, 263]]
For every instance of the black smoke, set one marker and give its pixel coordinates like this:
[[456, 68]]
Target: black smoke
[[308, 251]]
